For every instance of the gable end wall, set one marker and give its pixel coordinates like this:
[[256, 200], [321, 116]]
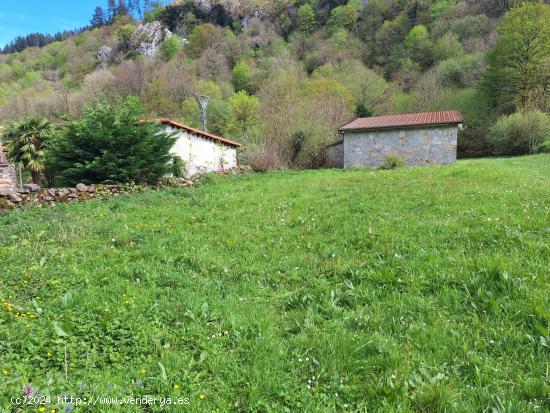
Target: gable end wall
[[416, 146], [202, 155]]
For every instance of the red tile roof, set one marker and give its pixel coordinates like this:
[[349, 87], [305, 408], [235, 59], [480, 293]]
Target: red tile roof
[[408, 119], [198, 132]]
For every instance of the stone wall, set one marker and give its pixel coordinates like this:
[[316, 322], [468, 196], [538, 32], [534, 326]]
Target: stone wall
[[335, 155], [416, 146], [8, 176], [32, 194]]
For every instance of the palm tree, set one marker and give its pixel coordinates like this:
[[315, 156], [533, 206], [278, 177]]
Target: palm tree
[[26, 142]]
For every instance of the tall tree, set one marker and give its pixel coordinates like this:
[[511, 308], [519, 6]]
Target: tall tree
[[98, 18], [518, 73], [134, 8], [122, 9], [111, 9]]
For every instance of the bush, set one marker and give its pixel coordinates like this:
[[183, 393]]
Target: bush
[[392, 161], [521, 133], [111, 146], [170, 47], [264, 158], [178, 167]]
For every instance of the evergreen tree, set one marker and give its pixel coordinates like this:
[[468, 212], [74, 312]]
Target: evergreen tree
[[111, 9], [98, 18], [134, 8], [122, 9], [111, 146]]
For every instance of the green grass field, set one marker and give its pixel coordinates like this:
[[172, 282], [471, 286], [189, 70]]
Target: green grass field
[[415, 290]]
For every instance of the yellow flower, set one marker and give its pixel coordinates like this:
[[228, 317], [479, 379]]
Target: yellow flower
[[52, 411], [49, 353], [143, 371], [5, 372], [176, 386], [202, 396], [42, 409]]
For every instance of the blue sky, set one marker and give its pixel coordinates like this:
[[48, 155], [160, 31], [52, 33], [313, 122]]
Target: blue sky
[[20, 17]]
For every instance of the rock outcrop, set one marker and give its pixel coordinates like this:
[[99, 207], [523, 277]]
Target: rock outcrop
[[147, 38], [105, 56]]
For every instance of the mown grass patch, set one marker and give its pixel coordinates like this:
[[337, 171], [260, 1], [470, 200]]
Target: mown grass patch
[[415, 290]]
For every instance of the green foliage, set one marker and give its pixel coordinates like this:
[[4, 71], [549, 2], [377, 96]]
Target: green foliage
[[287, 277], [177, 167], [392, 161], [440, 7], [27, 143], [518, 70], [124, 33], [468, 26], [170, 47], [305, 20], [419, 45], [244, 112], [460, 72], [521, 133], [447, 46], [242, 78], [111, 146], [202, 37], [344, 17]]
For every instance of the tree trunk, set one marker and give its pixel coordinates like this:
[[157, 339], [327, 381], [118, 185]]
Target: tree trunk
[[35, 177]]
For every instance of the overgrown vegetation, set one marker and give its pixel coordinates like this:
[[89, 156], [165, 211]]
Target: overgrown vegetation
[[421, 290], [306, 67], [106, 146]]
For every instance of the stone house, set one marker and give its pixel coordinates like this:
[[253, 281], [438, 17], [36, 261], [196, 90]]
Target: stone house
[[8, 176], [418, 138], [201, 151]]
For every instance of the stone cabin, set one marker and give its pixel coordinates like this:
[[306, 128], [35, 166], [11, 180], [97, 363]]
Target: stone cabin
[[201, 151], [8, 176], [418, 138]]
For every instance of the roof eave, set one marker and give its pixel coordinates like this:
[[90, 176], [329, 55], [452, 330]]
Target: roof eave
[[343, 130], [197, 132]]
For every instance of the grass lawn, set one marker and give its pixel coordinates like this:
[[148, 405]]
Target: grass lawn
[[415, 290]]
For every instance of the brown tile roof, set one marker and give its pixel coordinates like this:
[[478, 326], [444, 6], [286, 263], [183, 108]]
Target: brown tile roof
[[408, 119], [198, 132]]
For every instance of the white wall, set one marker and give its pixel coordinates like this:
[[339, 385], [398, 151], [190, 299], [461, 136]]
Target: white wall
[[202, 155]]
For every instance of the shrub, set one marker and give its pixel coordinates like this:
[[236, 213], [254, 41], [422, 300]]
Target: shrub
[[170, 47], [305, 20], [178, 167], [264, 158], [521, 133], [392, 161], [111, 146]]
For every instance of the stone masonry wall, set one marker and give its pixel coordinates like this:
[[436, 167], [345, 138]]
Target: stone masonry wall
[[335, 155], [8, 176], [416, 146]]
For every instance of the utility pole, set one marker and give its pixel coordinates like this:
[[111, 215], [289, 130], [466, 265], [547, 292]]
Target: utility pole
[[202, 101]]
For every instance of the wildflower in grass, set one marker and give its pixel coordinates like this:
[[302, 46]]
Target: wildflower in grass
[[49, 353], [42, 409], [143, 371], [28, 390], [5, 372], [68, 408], [202, 396], [176, 386]]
